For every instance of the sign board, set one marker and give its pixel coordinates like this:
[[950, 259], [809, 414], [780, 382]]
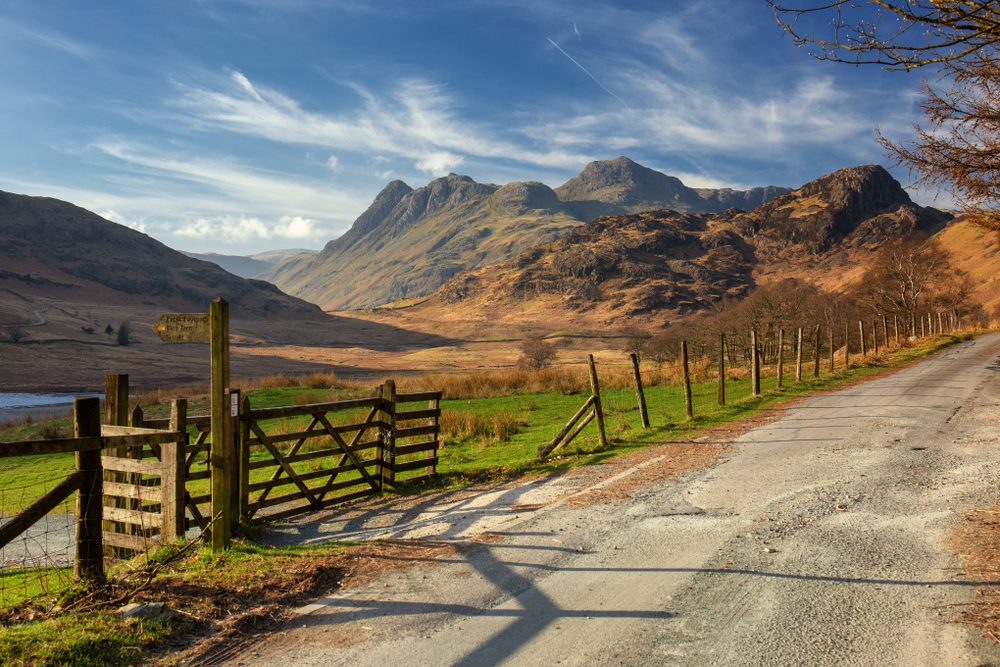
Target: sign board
[[183, 328]]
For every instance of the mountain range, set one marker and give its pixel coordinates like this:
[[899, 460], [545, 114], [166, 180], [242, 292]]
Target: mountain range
[[667, 264], [410, 241]]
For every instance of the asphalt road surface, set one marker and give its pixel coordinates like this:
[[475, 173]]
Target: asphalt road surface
[[818, 540]]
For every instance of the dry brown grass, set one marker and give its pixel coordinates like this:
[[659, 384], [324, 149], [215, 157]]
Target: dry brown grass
[[489, 429], [479, 384]]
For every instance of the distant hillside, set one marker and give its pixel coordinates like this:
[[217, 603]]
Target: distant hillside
[[664, 264], [620, 186], [278, 256], [409, 242], [244, 267], [53, 248]]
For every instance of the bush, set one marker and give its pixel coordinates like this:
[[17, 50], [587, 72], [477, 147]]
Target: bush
[[123, 338]]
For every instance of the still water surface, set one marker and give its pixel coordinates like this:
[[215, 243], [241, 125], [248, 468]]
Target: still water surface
[[14, 405]]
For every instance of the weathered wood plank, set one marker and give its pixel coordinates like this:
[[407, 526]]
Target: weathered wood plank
[[309, 456], [419, 396], [36, 510], [135, 517], [132, 542], [147, 493], [141, 466], [429, 446], [56, 446], [110, 430], [288, 437], [306, 476], [158, 438], [262, 414]]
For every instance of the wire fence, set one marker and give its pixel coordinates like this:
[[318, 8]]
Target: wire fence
[[38, 564], [482, 431]]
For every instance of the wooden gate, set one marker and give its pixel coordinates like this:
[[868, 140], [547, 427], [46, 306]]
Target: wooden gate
[[144, 489], [322, 465], [329, 461]]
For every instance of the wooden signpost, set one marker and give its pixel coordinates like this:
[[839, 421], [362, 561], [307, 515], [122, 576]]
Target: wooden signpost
[[212, 327]]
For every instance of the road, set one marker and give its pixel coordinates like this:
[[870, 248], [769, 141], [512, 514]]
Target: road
[[817, 540]]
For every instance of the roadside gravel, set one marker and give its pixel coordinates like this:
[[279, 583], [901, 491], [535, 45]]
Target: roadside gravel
[[818, 539]]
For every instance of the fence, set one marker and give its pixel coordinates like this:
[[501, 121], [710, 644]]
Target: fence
[[678, 391], [146, 482]]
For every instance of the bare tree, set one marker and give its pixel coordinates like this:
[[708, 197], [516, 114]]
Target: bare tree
[[16, 333], [899, 35], [636, 341], [536, 353], [958, 144], [910, 276]]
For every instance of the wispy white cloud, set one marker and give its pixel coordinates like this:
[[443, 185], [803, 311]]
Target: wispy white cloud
[[46, 37], [114, 216], [332, 162], [416, 121], [250, 188]]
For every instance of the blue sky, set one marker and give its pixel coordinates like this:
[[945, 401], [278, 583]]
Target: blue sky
[[247, 125]]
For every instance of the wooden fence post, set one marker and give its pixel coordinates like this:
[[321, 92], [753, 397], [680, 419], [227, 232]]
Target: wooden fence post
[[816, 355], [688, 407], [116, 414], [798, 358], [722, 369], [874, 338], [595, 390], [435, 422], [640, 396], [388, 436], [172, 458], [88, 564], [847, 346], [218, 318], [831, 349], [245, 461], [861, 332], [781, 358], [233, 458], [754, 365]]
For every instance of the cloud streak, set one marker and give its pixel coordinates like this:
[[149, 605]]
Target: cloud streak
[[585, 71]]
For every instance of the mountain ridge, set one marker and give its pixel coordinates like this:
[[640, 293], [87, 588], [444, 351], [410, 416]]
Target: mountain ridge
[[410, 241]]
